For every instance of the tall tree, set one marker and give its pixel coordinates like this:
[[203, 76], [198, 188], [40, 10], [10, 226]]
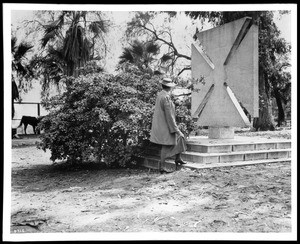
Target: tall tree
[[280, 78], [21, 68], [70, 39], [272, 81], [142, 25]]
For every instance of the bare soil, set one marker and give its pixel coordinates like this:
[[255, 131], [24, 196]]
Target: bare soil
[[50, 198]]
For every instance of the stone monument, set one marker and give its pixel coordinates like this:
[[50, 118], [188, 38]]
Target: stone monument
[[227, 58]]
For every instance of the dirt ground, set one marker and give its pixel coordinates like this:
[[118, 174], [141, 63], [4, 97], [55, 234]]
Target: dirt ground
[[48, 198]]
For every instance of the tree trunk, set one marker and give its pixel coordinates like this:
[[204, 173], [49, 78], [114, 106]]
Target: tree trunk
[[15, 95], [70, 68], [281, 115], [264, 121], [12, 109]]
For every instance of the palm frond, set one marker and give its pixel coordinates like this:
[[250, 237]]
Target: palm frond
[[15, 91], [126, 56], [77, 48], [86, 50], [98, 27], [137, 48], [56, 53], [13, 44], [47, 37], [21, 70], [21, 50], [152, 47], [70, 45], [140, 53], [165, 58], [51, 30]]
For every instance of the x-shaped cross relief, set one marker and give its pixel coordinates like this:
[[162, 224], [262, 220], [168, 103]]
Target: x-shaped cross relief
[[227, 58]]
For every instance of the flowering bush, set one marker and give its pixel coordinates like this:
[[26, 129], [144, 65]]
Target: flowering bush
[[103, 117]]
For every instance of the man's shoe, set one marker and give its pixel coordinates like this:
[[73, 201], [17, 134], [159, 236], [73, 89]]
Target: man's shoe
[[179, 161]]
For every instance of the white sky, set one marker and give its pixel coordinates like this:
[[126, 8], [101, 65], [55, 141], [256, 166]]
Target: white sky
[[120, 18]]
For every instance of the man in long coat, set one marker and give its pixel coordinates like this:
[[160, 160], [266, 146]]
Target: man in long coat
[[164, 130]]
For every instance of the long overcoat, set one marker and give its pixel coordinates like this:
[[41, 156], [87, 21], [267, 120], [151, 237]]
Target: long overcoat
[[163, 123]]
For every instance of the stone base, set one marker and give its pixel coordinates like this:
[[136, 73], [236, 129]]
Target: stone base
[[203, 152], [221, 132]]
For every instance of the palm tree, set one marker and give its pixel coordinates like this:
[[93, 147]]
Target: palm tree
[[141, 54], [22, 70], [69, 42]]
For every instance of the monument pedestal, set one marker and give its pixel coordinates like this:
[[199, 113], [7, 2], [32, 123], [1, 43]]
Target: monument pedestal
[[226, 132]]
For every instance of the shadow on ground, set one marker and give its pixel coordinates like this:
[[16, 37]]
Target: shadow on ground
[[50, 198]]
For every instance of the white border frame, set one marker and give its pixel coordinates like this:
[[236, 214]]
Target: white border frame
[[7, 236]]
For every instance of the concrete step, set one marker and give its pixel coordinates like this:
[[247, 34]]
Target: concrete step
[[219, 157], [203, 152], [236, 147], [235, 156], [205, 145], [237, 163], [152, 162]]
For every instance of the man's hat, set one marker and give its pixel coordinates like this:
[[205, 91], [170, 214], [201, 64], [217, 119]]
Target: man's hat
[[167, 82]]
